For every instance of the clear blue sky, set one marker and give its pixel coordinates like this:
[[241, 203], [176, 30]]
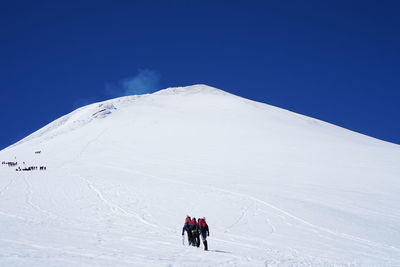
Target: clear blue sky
[[338, 61]]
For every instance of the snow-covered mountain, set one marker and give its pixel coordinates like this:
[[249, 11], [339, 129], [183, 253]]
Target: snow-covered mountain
[[277, 188]]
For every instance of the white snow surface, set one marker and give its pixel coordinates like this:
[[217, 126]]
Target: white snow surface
[[277, 188]]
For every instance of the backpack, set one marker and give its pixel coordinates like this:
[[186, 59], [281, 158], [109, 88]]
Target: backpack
[[202, 223]]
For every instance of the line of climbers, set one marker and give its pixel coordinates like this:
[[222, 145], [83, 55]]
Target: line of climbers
[[10, 164], [194, 230], [31, 168]]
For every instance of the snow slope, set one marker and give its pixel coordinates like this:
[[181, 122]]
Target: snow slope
[[277, 188]]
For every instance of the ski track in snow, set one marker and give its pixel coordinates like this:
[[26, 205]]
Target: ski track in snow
[[241, 217], [273, 229], [311, 225], [82, 150], [7, 186], [118, 210], [29, 200]]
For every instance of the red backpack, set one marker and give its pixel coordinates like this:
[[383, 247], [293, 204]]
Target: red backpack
[[202, 223]]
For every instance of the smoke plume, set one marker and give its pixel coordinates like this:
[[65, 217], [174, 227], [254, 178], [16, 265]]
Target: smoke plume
[[144, 82]]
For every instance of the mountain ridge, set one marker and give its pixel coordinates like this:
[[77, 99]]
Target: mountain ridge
[[104, 108]]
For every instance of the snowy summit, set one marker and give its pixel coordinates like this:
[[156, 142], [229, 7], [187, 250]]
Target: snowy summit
[[110, 184]]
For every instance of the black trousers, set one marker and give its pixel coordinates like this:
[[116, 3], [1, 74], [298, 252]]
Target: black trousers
[[204, 238], [196, 238], [190, 237]]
